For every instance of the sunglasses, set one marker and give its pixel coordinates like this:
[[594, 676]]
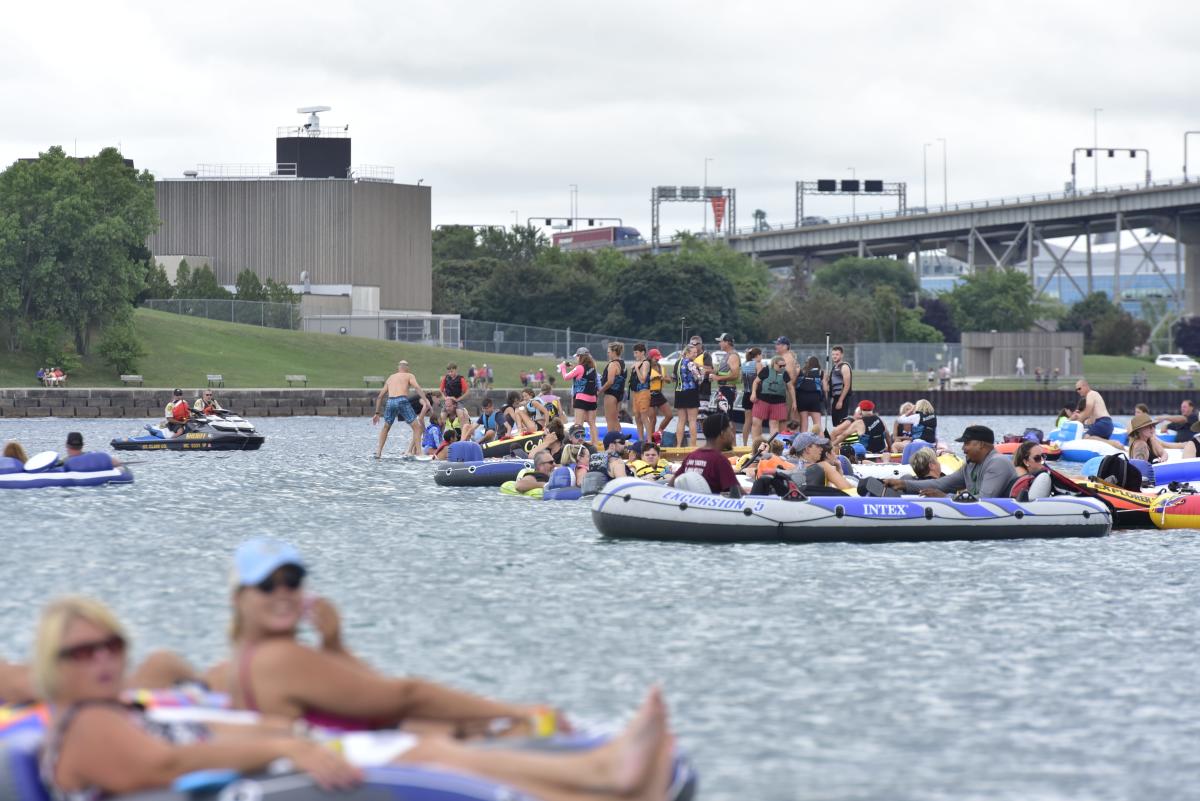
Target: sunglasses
[[292, 579], [87, 651], [1038, 459]]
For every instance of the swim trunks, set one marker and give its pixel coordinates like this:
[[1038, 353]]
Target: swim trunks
[[398, 406], [1101, 427]]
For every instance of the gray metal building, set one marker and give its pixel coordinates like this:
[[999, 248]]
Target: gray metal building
[[345, 234]]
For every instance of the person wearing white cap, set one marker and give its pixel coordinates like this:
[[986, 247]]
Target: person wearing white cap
[[584, 389], [275, 674]]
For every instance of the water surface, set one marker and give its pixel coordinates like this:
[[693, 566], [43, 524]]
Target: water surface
[[1003, 670]]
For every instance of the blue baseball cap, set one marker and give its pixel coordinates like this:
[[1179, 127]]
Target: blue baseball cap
[[783, 341], [258, 558]]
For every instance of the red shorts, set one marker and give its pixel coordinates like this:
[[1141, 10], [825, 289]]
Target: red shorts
[[769, 411]]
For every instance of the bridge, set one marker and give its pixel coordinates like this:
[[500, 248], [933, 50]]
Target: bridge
[[1003, 233]]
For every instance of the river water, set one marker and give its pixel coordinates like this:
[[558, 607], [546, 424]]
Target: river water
[[1002, 670]]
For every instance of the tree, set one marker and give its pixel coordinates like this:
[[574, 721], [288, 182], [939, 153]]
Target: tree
[[936, 312], [1118, 334], [73, 234], [855, 277], [993, 300], [807, 319], [156, 285], [453, 242], [202, 285], [120, 347], [248, 286], [183, 277], [697, 292], [1186, 334], [458, 285], [279, 292]]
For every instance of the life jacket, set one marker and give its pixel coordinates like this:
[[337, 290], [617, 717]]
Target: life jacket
[[488, 421], [875, 437], [749, 373], [586, 383], [774, 384], [772, 463], [705, 384], [180, 411], [618, 384], [551, 404], [643, 469], [637, 385], [454, 387], [684, 374], [453, 422], [835, 380], [1022, 485], [925, 428], [655, 377], [809, 380]]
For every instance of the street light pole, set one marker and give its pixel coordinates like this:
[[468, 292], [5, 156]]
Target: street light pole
[[1095, 147], [516, 222], [945, 177], [853, 206], [1186, 134], [704, 194], [574, 206], [925, 174]]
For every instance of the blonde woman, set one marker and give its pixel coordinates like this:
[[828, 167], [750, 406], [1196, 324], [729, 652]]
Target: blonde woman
[[613, 388], [274, 674], [922, 422]]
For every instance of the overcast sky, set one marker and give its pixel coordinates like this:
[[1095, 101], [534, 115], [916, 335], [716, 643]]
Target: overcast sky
[[501, 106]]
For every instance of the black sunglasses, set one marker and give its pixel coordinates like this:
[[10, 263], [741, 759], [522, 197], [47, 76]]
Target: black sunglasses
[[1038, 459], [87, 651], [291, 578]]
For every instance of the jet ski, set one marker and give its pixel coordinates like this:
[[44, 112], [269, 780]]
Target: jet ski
[[222, 431]]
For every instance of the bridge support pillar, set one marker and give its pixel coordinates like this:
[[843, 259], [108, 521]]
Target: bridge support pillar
[[1188, 233], [967, 251]]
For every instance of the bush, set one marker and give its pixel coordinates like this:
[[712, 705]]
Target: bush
[[51, 345], [120, 347]]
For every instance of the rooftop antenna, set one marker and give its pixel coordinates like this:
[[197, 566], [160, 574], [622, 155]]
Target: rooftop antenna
[[313, 126]]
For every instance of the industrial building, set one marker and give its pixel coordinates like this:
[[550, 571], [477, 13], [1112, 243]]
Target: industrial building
[[352, 241]]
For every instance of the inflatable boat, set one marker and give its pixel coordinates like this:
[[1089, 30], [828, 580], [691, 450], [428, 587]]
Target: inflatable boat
[[226, 433], [1178, 470], [501, 448], [487, 473], [44, 470], [1076, 448], [1130, 508], [20, 779], [633, 509]]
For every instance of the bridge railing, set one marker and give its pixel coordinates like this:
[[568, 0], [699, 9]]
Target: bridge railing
[[965, 205]]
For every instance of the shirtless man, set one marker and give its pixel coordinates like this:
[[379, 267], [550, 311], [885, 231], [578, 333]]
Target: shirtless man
[[396, 389], [1094, 414], [730, 374]]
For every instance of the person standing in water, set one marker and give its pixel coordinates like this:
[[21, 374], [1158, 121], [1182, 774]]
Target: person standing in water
[[395, 390]]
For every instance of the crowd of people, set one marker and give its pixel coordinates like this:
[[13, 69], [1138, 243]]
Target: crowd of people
[[51, 377], [322, 707]]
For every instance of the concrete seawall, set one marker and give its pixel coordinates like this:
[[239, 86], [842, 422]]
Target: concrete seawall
[[149, 403], [251, 403]]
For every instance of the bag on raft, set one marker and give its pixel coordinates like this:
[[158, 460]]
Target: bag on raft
[[1116, 469]]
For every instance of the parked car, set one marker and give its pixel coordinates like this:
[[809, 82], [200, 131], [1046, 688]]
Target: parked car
[[1177, 360], [814, 220]]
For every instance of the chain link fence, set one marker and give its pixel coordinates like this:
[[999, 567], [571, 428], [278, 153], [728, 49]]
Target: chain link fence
[[248, 312]]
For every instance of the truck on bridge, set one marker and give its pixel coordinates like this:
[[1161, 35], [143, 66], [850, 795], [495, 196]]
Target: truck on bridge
[[593, 238]]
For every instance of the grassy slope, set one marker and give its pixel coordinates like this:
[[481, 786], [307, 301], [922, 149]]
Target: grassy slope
[[182, 350], [1104, 371]]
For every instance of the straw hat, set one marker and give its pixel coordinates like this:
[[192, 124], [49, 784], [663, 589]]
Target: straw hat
[[1139, 422]]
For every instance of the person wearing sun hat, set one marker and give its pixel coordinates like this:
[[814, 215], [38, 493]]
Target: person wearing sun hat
[[986, 474], [1144, 442]]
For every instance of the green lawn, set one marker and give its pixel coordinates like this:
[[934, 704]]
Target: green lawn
[[183, 350], [1115, 372]]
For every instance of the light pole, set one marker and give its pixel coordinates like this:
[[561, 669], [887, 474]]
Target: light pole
[[516, 222], [925, 175], [945, 177], [574, 205], [853, 206], [1186, 134], [1096, 146], [704, 193]]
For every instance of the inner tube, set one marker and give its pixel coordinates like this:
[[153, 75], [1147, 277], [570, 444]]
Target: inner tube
[[510, 488], [488, 473]]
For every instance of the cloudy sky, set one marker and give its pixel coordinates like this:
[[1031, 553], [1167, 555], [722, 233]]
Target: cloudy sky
[[501, 106]]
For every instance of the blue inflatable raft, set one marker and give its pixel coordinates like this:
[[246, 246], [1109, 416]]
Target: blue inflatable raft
[[44, 470]]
